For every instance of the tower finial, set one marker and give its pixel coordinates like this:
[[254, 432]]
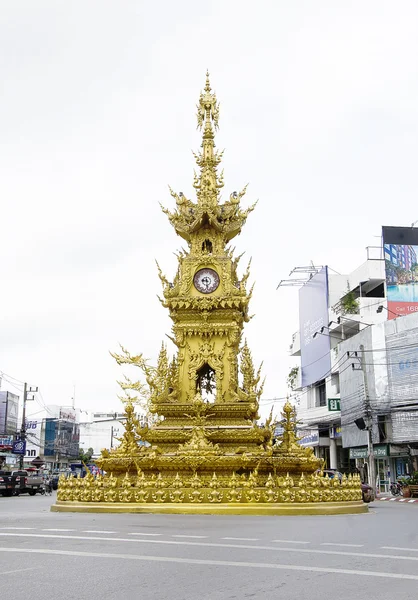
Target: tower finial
[[207, 86]]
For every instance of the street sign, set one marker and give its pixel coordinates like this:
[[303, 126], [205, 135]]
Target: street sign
[[334, 404], [19, 447]]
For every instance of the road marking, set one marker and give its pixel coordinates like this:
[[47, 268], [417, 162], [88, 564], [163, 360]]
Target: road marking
[[20, 528], [197, 537], [241, 539], [218, 563], [392, 499], [395, 548], [209, 545], [96, 531], [402, 500], [18, 570], [289, 542], [344, 545], [411, 500], [64, 530], [140, 533]]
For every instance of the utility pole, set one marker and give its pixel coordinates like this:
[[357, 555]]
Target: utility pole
[[369, 415], [369, 429], [23, 425]]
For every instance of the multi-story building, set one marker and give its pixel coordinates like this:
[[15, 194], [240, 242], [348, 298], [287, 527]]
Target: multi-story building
[[103, 430], [379, 390], [332, 308]]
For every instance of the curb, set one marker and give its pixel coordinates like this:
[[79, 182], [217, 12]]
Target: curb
[[389, 499]]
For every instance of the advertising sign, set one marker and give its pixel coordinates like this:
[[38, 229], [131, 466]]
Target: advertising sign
[[6, 442], [67, 414], [309, 437], [33, 438], [9, 408], [313, 315], [19, 447], [400, 246]]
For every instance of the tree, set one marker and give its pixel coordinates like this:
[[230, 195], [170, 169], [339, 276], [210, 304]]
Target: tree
[[85, 457]]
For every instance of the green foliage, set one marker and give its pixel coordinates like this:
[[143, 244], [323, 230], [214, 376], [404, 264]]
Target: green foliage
[[291, 378], [414, 478], [349, 304], [85, 456]]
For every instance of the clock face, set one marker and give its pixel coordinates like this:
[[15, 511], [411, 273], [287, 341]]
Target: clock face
[[206, 281]]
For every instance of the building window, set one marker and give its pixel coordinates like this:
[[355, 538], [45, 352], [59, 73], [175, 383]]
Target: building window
[[320, 394], [381, 425], [335, 382]]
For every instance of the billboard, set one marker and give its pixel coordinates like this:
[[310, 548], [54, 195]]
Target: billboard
[[400, 246], [9, 408], [313, 315], [33, 438]]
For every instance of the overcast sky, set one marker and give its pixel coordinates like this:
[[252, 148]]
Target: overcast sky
[[319, 113]]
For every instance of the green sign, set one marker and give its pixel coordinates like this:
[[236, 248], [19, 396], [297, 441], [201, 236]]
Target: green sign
[[379, 452], [358, 452], [334, 404]]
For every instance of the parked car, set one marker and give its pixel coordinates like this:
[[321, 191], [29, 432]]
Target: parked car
[[7, 484], [367, 492], [27, 482]]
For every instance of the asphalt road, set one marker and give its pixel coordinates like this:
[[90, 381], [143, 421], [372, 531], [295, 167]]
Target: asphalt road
[[175, 557]]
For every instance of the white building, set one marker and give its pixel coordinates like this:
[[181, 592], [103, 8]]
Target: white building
[[103, 430], [333, 308], [380, 388]]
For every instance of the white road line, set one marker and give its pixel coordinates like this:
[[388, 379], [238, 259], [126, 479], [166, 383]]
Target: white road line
[[218, 563], [344, 545], [210, 545], [20, 528], [18, 570], [96, 531], [197, 537], [392, 499], [411, 500], [290, 542], [140, 533], [396, 548], [402, 500], [64, 530], [241, 539]]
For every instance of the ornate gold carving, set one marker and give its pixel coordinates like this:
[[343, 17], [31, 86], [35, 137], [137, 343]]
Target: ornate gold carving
[[191, 450]]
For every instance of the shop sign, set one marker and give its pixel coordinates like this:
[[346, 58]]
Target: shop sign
[[6, 442], [309, 439], [334, 404], [358, 453], [336, 432], [379, 452]]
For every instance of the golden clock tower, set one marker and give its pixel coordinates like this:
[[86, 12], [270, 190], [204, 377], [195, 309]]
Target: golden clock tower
[[208, 302], [205, 453]]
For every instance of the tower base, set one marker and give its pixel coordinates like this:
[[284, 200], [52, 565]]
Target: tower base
[[266, 509]]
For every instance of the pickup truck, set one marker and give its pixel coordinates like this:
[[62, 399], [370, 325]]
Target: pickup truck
[[7, 483], [26, 483]]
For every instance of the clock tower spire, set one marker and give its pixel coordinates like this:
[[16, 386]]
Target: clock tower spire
[[207, 300]]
